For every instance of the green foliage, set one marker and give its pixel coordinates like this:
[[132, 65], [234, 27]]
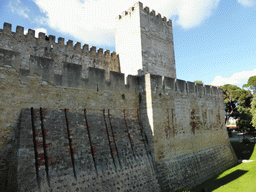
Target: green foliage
[[244, 97], [234, 97], [229, 101], [198, 82], [251, 84], [245, 118], [237, 95], [253, 111]]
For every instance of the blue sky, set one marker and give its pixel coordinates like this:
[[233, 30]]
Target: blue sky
[[214, 40]]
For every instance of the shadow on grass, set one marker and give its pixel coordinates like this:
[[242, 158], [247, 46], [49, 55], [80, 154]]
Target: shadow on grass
[[243, 150], [215, 183]]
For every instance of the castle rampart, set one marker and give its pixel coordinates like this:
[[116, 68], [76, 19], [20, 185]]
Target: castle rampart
[[172, 102], [59, 52], [187, 124], [68, 124]]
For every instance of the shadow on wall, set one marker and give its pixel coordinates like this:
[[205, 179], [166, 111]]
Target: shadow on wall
[[9, 161], [90, 150]]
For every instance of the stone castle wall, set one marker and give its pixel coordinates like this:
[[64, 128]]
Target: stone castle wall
[[57, 53], [69, 122], [81, 151], [39, 86], [83, 139], [190, 141], [110, 137]]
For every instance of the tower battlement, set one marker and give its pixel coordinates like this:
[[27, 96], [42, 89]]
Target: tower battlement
[[146, 10]]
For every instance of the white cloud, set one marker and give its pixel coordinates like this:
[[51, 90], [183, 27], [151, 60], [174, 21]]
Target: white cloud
[[37, 30], [94, 21], [247, 3], [17, 7], [237, 79], [39, 20], [191, 13]]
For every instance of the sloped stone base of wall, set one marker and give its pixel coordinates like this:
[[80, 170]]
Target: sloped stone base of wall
[[186, 171], [83, 151], [89, 150]]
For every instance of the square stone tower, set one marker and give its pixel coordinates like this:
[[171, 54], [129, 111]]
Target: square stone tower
[[144, 42]]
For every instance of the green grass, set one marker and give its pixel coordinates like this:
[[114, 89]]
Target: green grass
[[241, 178]]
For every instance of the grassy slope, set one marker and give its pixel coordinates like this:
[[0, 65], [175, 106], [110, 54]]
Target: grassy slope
[[240, 178]]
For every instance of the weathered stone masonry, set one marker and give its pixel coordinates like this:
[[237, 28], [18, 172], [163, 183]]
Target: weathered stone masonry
[[144, 42], [69, 123]]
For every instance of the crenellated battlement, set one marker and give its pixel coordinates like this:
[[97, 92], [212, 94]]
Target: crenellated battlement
[[76, 62], [150, 12], [51, 39], [165, 84], [28, 46], [72, 75]]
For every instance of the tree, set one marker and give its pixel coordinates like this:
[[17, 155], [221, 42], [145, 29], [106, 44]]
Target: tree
[[229, 101], [198, 82], [244, 97], [251, 84], [245, 119], [234, 97], [253, 111]]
